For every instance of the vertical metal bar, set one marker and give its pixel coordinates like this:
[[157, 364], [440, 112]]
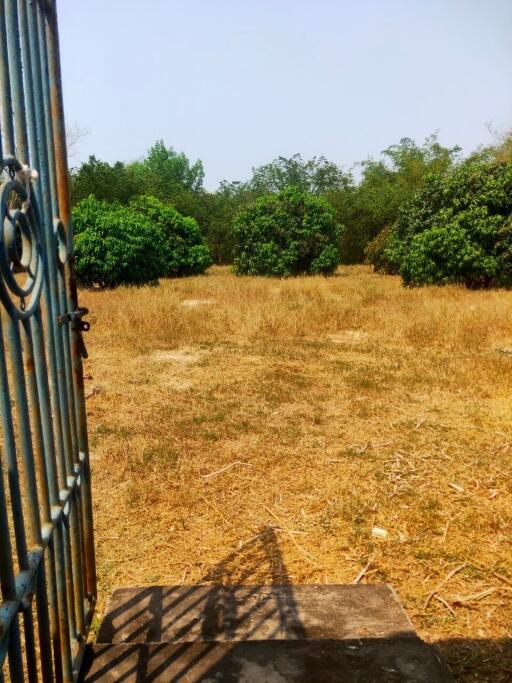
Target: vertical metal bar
[[28, 353], [60, 647], [37, 152], [58, 601], [30, 644], [44, 588], [60, 632], [55, 355], [5, 84], [7, 582], [50, 214], [15, 660], [7, 577], [74, 513], [44, 188], [42, 597], [75, 517], [69, 530], [63, 349], [43, 388], [29, 477], [62, 173], [17, 101], [8, 585]]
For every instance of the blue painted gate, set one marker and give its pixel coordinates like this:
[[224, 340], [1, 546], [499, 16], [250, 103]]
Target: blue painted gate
[[47, 565]]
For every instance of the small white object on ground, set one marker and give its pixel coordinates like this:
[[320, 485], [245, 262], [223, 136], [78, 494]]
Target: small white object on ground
[[456, 487], [192, 303], [378, 532]]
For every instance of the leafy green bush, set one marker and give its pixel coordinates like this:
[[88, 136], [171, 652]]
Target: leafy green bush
[[184, 249], [115, 245], [289, 233], [135, 244], [457, 228]]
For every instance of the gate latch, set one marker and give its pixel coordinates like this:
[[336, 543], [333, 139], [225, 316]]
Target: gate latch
[[75, 316], [80, 325]]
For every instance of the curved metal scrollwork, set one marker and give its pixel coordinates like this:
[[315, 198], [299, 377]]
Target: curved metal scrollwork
[[21, 256]]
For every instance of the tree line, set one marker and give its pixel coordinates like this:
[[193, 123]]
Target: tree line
[[378, 209]]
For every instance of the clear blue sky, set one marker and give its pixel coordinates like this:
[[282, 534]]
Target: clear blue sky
[[238, 82]]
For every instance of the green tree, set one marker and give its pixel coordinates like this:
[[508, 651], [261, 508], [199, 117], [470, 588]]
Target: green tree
[[165, 173], [366, 207], [457, 228], [112, 183], [316, 176], [220, 210], [290, 233]]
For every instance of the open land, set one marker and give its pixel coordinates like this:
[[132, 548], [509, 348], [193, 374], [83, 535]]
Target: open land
[[310, 430]]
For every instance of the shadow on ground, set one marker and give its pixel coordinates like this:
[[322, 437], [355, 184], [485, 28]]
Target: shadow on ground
[[229, 629], [478, 661]]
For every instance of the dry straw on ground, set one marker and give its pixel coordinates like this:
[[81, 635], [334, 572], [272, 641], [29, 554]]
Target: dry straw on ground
[[320, 408]]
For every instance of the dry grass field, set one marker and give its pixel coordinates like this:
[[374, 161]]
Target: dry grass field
[[251, 430]]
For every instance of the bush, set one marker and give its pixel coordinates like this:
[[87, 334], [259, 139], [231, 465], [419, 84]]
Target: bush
[[375, 252], [135, 244], [290, 233], [115, 245], [184, 249], [457, 229]]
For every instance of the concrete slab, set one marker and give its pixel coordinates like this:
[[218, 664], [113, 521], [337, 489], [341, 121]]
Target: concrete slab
[[277, 612], [259, 634], [393, 660]]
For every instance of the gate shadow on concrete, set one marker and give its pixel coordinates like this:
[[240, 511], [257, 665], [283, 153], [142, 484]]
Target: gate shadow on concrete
[[221, 596]]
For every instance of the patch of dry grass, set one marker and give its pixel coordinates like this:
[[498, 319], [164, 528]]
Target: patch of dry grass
[[321, 407]]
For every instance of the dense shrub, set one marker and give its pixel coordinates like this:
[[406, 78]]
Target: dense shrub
[[288, 233], [457, 228], [135, 244], [116, 245], [184, 250]]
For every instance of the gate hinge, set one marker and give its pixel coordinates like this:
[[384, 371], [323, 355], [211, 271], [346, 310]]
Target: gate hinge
[[74, 316]]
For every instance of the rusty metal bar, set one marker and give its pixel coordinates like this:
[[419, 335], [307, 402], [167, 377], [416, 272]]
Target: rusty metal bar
[[62, 178], [59, 398], [63, 349]]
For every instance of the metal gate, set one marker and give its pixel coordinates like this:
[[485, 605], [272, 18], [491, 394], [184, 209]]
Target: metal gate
[[47, 565]]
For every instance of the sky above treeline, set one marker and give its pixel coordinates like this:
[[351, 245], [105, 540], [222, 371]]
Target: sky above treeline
[[237, 83]]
